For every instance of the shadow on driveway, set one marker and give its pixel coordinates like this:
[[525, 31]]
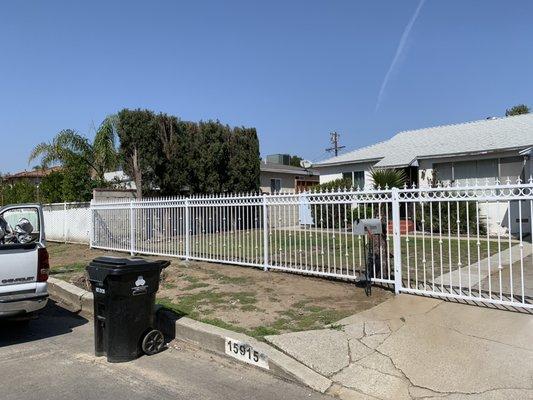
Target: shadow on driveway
[[52, 321]]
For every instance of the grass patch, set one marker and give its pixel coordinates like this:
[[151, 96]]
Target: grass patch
[[249, 307], [196, 285], [189, 278], [228, 280], [168, 286], [261, 331], [244, 298], [68, 269], [311, 317], [197, 304]]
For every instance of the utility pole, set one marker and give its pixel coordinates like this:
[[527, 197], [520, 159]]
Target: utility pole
[[334, 139]]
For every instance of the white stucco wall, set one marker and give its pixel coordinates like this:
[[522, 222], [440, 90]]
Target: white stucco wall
[[425, 171], [331, 173], [497, 215]]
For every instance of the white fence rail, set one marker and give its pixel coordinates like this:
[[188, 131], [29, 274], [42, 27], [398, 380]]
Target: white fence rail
[[67, 222], [471, 243]]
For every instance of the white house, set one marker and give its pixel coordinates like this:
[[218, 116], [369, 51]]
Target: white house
[[479, 151]]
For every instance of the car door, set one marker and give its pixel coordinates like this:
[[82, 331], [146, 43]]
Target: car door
[[19, 261]]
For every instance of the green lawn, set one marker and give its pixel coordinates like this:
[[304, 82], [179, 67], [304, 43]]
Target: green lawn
[[338, 252]]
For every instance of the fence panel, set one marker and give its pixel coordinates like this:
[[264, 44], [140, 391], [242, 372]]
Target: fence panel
[[111, 227], [471, 243], [312, 233], [159, 227], [227, 229], [468, 243], [67, 222]]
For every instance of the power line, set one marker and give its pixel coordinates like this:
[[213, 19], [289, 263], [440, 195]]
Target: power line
[[334, 139]]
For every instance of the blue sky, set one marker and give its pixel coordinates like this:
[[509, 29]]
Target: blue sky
[[295, 70]]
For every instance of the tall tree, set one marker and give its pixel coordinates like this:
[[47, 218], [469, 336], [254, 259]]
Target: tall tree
[[244, 161], [140, 147], [165, 155], [50, 189], [295, 161], [517, 110], [171, 173], [68, 145]]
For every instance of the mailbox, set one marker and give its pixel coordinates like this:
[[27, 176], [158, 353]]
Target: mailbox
[[367, 225]]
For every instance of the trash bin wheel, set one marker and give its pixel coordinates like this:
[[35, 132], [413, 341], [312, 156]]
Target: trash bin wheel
[[153, 342]]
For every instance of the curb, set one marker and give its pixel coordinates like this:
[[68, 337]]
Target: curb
[[75, 298], [213, 339], [207, 337]]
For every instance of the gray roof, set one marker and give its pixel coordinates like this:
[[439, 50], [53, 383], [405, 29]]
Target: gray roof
[[286, 169], [508, 133]]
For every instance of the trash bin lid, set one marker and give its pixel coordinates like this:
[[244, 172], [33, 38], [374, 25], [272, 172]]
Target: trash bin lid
[[101, 267]]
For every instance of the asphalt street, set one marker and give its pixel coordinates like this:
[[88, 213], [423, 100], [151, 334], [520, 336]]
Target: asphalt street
[[52, 358]]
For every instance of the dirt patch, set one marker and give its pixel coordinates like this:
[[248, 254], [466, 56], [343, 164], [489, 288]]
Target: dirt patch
[[238, 298], [68, 261]]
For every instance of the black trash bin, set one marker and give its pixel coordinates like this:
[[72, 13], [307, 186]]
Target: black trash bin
[[124, 298]]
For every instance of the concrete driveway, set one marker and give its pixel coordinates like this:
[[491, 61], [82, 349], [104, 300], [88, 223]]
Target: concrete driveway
[[53, 358], [412, 347]]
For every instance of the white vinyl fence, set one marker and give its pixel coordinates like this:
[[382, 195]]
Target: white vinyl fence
[[67, 222], [442, 241]]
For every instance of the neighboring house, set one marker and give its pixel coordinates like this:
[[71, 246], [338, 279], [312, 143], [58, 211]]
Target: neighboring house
[[120, 180], [483, 150], [276, 177], [35, 176], [477, 152]]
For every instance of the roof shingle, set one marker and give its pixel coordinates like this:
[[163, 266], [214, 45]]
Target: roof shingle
[[466, 138]]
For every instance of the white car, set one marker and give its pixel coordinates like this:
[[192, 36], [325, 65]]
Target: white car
[[24, 265]]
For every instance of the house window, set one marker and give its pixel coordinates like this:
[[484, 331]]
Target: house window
[[347, 175], [488, 170], [511, 168], [275, 185], [356, 177], [443, 172]]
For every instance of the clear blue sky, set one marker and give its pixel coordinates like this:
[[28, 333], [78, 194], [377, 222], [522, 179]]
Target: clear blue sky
[[295, 70]]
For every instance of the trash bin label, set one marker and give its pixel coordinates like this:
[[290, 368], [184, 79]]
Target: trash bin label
[[140, 286], [99, 290]]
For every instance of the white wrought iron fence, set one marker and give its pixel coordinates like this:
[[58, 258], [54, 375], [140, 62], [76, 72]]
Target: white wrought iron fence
[[67, 222], [469, 243], [472, 243]]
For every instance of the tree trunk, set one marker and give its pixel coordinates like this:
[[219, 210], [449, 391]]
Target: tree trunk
[[137, 175]]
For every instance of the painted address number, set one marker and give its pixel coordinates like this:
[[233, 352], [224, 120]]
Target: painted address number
[[245, 352]]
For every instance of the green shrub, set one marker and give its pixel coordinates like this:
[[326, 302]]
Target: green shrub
[[457, 211]]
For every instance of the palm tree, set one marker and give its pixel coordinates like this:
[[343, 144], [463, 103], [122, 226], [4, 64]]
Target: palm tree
[[99, 156], [388, 178]]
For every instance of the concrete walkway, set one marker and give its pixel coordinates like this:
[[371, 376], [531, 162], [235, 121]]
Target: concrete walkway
[[413, 347], [479, 272]]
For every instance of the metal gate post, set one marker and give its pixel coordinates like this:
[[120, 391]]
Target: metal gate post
[[265, 234], [187, 231], [132, 229], [91, 225], [396, 239], [65, 222]]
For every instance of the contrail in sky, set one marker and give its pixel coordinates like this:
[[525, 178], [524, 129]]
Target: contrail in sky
[[399, 52]]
